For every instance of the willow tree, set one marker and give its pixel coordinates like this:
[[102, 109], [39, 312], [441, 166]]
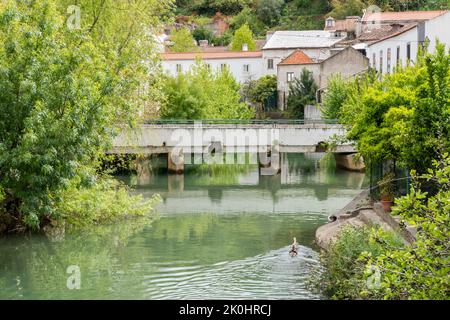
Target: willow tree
[[124, 32], [61, 90]]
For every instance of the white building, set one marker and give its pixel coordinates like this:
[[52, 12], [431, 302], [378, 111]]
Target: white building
[[394, 37], [347, 62], [244, 65], [316, 44]]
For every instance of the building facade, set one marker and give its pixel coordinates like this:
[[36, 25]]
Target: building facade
[[317, 44], [347, 62], [243, 65], [408, 32]]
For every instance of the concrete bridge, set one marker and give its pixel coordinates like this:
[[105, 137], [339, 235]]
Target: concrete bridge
[[265, 138]]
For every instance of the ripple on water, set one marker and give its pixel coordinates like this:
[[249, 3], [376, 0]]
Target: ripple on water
[[260, 277]]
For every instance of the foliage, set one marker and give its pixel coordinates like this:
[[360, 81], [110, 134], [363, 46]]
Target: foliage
[[242, 36], [183, 41], [345, 268], [59, 95], [269, 11], [343, 8], [105, 202], [223, 40], [302, 91], [337, 93], [386, 185], [227, 7], [258, 91], [249, 17], [122, 31], [417, 271], [403, 116], [204, 94], [420, 271]]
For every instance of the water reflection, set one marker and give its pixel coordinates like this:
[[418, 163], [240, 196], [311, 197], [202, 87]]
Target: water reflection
[[223, 232]]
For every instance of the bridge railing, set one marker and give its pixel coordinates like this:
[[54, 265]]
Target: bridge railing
[[241, 121]]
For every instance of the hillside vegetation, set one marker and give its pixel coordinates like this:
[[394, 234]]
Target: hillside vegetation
[[264, 15]]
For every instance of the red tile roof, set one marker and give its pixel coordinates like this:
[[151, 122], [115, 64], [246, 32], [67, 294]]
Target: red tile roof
[[297, 57], [211, 55], [403, 16]]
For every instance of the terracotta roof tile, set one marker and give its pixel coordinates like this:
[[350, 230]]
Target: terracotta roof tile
[[211, 55], [402, 16], [297, 57]]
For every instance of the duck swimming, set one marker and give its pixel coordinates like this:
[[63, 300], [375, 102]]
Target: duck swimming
[[293, 252]]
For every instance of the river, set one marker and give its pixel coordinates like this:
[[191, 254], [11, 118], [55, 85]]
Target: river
[[219, 233]]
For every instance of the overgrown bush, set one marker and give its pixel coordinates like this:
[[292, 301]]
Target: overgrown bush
[[345, 275], [204, 94], [420, 271], [337, 93], [107, 201]]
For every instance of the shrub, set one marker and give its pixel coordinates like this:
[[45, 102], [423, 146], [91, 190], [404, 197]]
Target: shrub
[[242, 36], [337, 93], [107, 201], [345, 264]]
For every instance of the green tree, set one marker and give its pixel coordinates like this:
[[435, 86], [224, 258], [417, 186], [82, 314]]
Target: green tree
[[249, 17], [420, 271], [204, 94], [259, 91], [269, 11], [343, 8], [337, 93], [203, 33], [242, 36], [403, 116], [183, 41], [61, 92], [302, 91]]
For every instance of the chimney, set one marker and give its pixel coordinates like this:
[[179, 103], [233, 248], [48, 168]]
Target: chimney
[[203, 43], [269, 34], [330, 23], [245, 47]]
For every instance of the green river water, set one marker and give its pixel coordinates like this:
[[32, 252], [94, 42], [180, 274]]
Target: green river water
[[220, 233]]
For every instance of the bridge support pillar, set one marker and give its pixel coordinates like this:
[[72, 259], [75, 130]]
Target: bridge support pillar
[[270, 162], [175, 182], [175, 161], [349, 162]]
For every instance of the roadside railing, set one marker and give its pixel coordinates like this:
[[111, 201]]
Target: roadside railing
[[241, 121]]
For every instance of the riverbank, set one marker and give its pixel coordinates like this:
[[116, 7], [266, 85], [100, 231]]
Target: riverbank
[[362, 211], [106, 201]]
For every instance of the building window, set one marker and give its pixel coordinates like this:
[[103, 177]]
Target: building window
[[223, 66], [408, 52], [290, 76], [208, 66], [374, 61], [179, 69], [388, 60], [381, 61], [246, 68], [398, 55], [270, 64], [330, 22]]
